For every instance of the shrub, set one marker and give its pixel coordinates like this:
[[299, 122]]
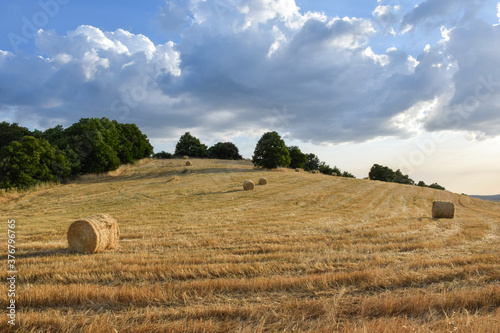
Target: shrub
[[162, 155]]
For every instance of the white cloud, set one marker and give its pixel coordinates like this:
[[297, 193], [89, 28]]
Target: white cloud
[[498, 11], [238, 62], [472, 101], [435, 13]]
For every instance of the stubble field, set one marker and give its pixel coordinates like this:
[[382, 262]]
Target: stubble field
[[306, 252]]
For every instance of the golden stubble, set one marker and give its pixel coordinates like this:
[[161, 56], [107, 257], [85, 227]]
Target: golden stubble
[[306, 252]]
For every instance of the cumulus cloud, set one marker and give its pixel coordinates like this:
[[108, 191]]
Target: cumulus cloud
[[243, 67], [387, 16], [434, 13], [472, 100], [83, 73]]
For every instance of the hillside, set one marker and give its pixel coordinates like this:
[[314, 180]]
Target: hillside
[[494, 198], [307, 252]]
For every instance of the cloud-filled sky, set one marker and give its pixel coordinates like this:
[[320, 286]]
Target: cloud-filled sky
[[413, 85]]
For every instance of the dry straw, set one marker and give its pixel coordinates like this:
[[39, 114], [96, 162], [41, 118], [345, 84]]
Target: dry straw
[[188, 163], [186, 157], [262, 181], [93, 234], [248, 185], [443, 210], [334, 174]]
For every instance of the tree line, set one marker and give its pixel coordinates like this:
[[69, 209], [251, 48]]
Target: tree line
[[386, 174], [271, 152], [98, 145], [91, 145], [189, 145]]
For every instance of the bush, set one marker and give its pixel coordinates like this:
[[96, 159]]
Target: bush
[[271, 152], [437, 187], [162, 155]]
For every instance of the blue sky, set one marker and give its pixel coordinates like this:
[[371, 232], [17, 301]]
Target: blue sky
[[414, 85]]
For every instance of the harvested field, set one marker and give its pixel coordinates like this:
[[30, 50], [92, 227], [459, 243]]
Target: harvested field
[[307, 252]]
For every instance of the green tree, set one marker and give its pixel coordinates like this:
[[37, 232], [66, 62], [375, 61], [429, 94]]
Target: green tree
[[402, 179], [11, 132], [224, 151], [298, 158], [29, 161], [133, 144], [325, 169], [191, 146], [312, 163], [96, 143], [382, 173], [421, 184], [271, 152]]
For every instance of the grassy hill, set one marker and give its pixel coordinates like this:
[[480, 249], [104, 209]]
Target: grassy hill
[[306, 252]]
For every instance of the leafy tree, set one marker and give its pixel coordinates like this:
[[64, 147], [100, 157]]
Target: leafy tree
[[402, 179], [11, 132], [224, 151], [298, 158], [312, 162], [133, 144], [29, 161], [382, 173], [162, 155], [189, 145], [95, 143], [325, 169], [271, 152], [421, 183]]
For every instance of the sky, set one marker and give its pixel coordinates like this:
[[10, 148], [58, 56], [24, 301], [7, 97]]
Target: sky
[[413, 85]]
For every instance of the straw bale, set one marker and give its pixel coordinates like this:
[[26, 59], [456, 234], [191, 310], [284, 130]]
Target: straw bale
[[93, 234], [248, 185], [443, 210]]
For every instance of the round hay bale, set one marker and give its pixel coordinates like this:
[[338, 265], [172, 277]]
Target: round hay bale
[[443, 210], [189, 163], [262, 181], [334, 174], [93, 234], [186, 157], [297, 170], [248, 185]]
